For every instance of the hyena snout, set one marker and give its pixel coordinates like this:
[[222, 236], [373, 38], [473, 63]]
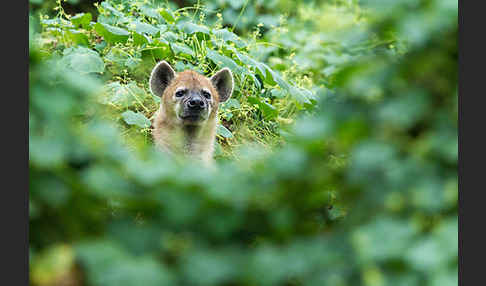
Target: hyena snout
[[196, 103], [194, 109]]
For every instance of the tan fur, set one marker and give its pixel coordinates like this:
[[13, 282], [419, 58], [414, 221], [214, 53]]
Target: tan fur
[[171, 135]]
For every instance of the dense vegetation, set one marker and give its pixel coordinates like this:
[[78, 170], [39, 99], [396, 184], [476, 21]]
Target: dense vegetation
[[337, 154]]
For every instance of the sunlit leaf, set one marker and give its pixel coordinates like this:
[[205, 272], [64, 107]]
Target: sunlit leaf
[[224, 61], [191, 28], [111, 34], [81, 20], [223, 131], [167, 15], [229, 36], [138, 119]]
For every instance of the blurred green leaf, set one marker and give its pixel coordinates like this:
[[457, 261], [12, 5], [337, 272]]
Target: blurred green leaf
[[83, 60]]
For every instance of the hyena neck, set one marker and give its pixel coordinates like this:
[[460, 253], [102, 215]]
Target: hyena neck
[[198, 140], [194, 141]]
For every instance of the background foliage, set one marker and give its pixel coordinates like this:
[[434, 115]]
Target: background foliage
[[337, 155]]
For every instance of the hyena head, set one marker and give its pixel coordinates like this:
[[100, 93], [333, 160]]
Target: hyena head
[[189, 98]]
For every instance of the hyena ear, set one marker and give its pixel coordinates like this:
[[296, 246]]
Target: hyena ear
[[223, 82], [161, 76]]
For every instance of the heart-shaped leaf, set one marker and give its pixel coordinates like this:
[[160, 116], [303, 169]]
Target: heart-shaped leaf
[[141, 27], [111, 34], [138, 119], [83, 60], [223, 131]]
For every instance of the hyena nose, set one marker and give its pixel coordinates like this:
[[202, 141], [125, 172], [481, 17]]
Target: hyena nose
[[196, 103]]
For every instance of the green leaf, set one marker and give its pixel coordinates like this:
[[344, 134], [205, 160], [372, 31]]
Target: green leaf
[[81, 20], [117, 94], [78, 37], [268, 110], [278, 93], [156, 54], [132, 63], [116, 56], [191, 28], [182, 50], [383, 239], [301, 95], [47, 152], [252, 63], [108, 263], [56, 22], [229, 36], [167, 15], [141, 28], [110, 8], [224, 61], [123, 96], [231, 103], [138, 119], [83, 60], [100, 46], [296, 93], [139, 39], [223, 131], [111, 34], [170, 36], [150, 12], [87, 63]]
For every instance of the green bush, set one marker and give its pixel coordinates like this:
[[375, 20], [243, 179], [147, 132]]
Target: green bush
[[360, 187]]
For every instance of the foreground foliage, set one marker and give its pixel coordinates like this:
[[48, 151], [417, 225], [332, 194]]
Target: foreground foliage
[[362, 192]]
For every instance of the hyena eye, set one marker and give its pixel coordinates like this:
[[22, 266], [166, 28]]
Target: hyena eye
[[206, 94], [180, 93]]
